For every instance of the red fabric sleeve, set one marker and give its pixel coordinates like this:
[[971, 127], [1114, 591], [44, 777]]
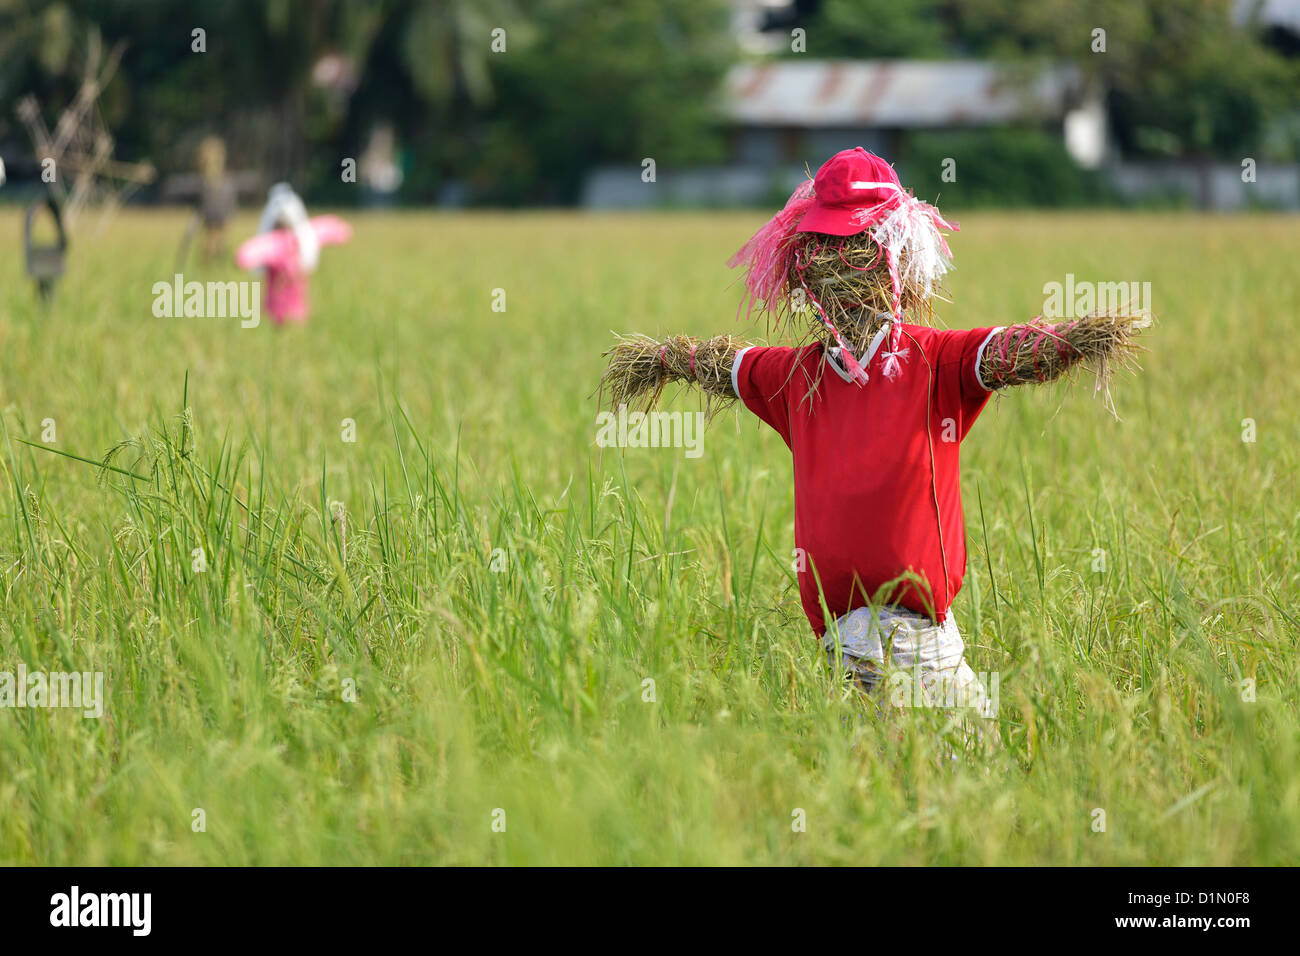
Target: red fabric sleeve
[[760, 376], [960, 393]]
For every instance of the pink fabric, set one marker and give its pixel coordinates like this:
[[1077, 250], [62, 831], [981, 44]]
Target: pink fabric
[[768, 254], [285, 293], [845, 204]]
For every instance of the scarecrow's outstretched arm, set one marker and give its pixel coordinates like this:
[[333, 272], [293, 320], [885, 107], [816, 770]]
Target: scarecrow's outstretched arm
[[1041, 352], [641, 367]]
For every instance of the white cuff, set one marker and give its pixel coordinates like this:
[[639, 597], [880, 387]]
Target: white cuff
[[735, 370], [979, 357]]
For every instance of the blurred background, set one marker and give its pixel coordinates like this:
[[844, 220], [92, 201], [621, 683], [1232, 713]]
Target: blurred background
[[685, 103]]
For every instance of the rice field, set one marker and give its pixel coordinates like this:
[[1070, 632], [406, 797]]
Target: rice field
[[367, 592]]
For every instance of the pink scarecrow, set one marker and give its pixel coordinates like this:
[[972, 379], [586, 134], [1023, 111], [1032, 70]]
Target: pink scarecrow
[[287, 248]]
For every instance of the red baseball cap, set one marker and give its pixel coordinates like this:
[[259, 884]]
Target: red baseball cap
[[852, 191]]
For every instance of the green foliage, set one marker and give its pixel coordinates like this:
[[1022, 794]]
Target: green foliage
[[605, 88], [1181, 77], [867, 29], [582, 83], [578, 83], [999, 167], [1178, 72]]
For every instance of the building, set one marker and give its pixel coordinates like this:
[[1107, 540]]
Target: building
[[782, 111], [780, 115]]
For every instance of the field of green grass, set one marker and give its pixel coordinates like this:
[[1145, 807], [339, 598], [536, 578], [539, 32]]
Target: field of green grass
[[498, 590]]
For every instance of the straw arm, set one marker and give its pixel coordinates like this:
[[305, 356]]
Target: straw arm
[[1038, 351], [640, 368]]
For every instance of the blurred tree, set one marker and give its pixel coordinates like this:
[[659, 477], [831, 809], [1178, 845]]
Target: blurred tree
[[39, 46], [294, 86], [429, 71], [867, 29], [569, 83], [250, 81], [605, 85], [1005, 167], [1183, 78]]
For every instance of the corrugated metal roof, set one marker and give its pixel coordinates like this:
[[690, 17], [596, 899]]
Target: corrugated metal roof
[[889, 93]]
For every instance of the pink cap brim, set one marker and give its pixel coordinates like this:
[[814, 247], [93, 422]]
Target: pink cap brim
[[832, 220]]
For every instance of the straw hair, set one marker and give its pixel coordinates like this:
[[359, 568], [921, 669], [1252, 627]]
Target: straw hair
[[849, 277]]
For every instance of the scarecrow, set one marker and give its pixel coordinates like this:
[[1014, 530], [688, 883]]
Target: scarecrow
[[218, 195], [45, 261], [287, 246], [873, 408]]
